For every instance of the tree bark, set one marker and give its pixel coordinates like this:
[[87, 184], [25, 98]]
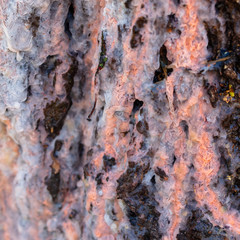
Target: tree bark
[[119, 119]]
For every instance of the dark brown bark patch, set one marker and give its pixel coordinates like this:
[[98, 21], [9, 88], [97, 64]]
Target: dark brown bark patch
[[140, 202]]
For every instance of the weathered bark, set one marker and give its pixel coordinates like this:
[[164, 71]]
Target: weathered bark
[[119, 119]]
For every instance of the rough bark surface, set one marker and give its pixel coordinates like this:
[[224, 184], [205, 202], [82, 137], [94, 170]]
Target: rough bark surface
[[119, 119]]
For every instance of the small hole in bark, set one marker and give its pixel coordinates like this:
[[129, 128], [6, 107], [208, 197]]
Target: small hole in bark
[[174, 160], [49, 65], [73, 214], [185, 128], [153, 180], [137, 105], [34, 20], [136, 35], [162, 72], [172, 23], [53, 184], [108, 162], [98, 179], [142, 127], [69, 21], [128, 4], [57, 147], [177, 2], [161, 173]]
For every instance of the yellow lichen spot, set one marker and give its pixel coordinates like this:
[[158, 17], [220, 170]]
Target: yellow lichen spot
[[226, 99], [229, 177], [231, 91]]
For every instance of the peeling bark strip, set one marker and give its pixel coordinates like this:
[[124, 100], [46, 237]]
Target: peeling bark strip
[[160, 82]]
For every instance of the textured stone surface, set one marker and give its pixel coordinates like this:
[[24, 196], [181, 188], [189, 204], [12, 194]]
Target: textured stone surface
[[119, 119]]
